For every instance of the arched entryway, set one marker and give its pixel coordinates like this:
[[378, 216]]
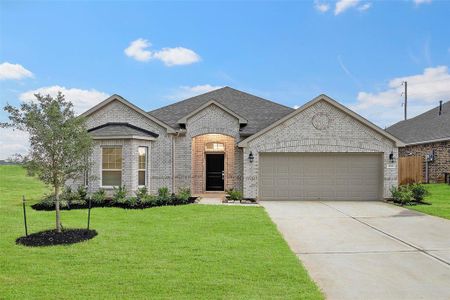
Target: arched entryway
[[213, 161]]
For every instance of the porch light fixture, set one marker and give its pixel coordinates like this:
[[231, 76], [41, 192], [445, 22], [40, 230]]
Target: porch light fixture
[[251, 157], [391, 157]]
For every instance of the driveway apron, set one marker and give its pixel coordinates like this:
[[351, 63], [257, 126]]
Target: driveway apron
[[367, 250]]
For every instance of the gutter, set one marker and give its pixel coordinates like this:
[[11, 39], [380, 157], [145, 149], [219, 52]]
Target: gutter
[[429, 141]]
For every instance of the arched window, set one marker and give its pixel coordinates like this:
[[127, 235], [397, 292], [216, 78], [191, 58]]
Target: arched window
[[214, 147]]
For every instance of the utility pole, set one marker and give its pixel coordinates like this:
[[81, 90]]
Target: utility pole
[[405, 83]]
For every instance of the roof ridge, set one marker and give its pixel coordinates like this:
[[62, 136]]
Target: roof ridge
[[222, 88], [184, 100], [264, 99]]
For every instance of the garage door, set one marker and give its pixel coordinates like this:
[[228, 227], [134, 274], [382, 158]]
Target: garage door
[[320, 176]]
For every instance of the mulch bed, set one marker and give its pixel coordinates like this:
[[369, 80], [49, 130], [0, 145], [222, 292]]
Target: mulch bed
[[109, 203], [52, 237]]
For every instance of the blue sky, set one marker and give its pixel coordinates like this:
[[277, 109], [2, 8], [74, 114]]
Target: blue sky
[[357, 52]]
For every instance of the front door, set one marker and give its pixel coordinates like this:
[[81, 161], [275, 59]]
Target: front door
[[215, 172]]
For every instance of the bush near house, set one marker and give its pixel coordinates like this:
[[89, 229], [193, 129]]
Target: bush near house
[[80, 199], [234, 194], [409, 193]]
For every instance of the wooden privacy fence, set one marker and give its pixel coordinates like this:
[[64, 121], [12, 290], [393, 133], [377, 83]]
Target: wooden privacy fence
[[410, 169]]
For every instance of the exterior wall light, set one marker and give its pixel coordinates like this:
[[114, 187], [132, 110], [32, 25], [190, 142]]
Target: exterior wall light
[[251, 157], [391, 157]]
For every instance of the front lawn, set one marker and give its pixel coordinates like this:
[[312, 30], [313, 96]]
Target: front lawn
[[191, 251], [439, 199]]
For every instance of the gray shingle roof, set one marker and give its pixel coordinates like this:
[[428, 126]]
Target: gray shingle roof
[[120, 129], [425, 127], [259, 112]]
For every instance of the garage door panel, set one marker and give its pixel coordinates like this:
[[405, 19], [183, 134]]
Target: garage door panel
[[326, 176]]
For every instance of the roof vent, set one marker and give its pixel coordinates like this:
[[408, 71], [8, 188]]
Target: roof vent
[[440, 107]]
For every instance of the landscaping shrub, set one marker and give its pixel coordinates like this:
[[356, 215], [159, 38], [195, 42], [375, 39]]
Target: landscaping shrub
[[163, 192], [402, 194], [98, 197], [234, 194], [142, 199], [418, 191], [82, 192], [46, 203], [142, 192], [183, 194], [405, 194], [120, 194]]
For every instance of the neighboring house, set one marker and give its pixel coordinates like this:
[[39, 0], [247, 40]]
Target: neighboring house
[[230, 139], [425, 134]]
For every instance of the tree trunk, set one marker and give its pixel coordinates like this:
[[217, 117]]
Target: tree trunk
[[58, 216]]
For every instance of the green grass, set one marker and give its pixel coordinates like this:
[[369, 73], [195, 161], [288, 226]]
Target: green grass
[[439, 199], [192, 251]]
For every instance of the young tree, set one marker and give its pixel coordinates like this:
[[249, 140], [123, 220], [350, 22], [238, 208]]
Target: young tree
[[59, 142]]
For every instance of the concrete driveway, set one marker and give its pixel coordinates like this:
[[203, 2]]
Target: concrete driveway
[[367, 250]]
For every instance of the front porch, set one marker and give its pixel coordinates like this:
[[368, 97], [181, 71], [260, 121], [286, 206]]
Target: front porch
[[213, 164]]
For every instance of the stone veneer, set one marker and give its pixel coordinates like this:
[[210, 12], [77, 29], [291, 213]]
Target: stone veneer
[[437, 167], [341, 133]]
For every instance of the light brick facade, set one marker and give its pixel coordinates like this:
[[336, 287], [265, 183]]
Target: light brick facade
[[160, 150], [212, 124], [343, 133], [177, 160]]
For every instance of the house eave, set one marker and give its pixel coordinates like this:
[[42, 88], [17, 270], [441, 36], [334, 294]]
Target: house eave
[[428, 141], [124, 137]]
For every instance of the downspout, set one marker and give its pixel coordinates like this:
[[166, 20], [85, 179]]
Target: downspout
[[173, 165], [173, 160]]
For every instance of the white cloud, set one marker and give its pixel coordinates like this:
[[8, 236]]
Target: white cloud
[[13, 71], [139, 50], [12, 142], [364, 7], [424, 92], [343, 5], [322, 7], [418, 2], [82, 99], [177, 56], [296, 106], [184, 92]]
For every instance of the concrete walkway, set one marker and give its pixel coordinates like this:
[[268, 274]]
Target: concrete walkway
[[367, 250]]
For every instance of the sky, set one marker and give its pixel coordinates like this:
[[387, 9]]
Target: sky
[[156, 53]]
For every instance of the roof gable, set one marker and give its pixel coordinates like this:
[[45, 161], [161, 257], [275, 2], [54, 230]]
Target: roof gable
[[184, 119], [334, 103], [258, 112], [130, 105]]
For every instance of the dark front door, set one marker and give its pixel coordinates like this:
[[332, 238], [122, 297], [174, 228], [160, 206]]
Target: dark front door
[[214, 172]]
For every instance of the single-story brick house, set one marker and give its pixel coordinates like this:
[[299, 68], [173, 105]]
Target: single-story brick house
[[427, 134], [230, 139]]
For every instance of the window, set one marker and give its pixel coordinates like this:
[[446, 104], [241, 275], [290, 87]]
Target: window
[[214, 147], [142, 165], [111, 166]]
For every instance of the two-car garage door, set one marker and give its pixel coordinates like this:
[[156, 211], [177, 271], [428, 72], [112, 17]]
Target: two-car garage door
[[320, 176]]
